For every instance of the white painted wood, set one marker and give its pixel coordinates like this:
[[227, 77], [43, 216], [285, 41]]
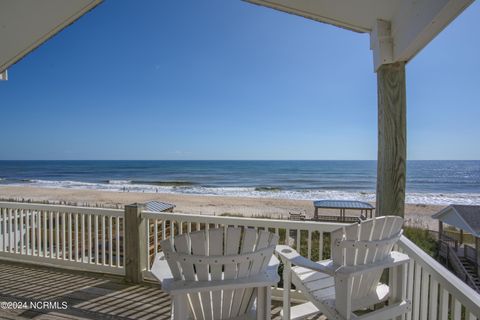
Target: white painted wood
[[447, 280], [414, 23], [381, 43], [38, 250], [433, 302], [360, 252], [219, 281], [444, 297], [4, 75], [424, 295], [232, 238], [456, 313], [215, 245]]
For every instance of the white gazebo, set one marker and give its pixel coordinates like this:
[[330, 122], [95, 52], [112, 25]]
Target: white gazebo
[[398, 30], [26, 24]]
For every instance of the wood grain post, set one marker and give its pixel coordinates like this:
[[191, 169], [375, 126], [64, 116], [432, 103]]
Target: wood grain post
[[135, 243], [392, 153]]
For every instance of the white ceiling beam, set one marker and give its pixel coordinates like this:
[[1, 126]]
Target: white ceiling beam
[[417, 22], [26, 24], [4, 75], [381, 43], [398, 29]]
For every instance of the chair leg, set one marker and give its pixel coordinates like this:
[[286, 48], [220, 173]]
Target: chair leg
[[179, 307], [287, 281], [264, 306], [261, 303]]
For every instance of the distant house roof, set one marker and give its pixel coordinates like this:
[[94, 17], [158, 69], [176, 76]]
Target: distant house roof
[[157, 206], [464, 217]]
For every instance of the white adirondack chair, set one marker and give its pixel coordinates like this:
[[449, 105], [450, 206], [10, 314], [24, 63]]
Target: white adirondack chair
[[350, 281], [219, 273]]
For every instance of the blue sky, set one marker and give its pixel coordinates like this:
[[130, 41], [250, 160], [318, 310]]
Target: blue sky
[[230, 80]]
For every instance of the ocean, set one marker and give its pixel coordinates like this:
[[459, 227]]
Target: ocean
[[428, 182]]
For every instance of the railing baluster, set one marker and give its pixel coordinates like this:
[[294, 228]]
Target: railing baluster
[[50, 231], [424, 295], [103, 240], [22, 233], [299, 238], [320, 246], [117, 237], [444, 297], [27, 228], [82, 218], [76, 236], [456, 313], [45, 235], [433, 303], [147, 232], [39, 233], [70, 256], [309, 244], [34, 228], [164, 230], [57, 233], [110, 240], [287, 237], [11, 245], [90, 258], [96, 235], [64, 243], [4, 218], [416, 292], [411, 272], [155, 239]]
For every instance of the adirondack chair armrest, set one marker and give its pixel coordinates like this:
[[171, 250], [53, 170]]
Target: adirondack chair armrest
[[394, 259], [160, 268], [288, 254], [265, 279]]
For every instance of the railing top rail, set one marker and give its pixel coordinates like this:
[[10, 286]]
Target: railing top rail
[[248, 221], [62, 208], [459, 289]]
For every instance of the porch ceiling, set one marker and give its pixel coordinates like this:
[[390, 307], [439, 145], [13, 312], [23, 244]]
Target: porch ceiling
[[26, 24], [399, 29]]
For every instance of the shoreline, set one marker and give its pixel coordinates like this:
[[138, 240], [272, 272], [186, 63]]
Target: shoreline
[[415, 214]]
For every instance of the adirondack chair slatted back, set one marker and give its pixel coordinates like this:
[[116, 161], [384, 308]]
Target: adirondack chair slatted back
[[219, 254], [349, 248]]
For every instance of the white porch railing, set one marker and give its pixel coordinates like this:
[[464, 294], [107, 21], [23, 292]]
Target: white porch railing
[[79, 238], [92, 239]]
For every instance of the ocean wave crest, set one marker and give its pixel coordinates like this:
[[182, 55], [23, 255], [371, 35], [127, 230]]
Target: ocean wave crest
[[254, 192]]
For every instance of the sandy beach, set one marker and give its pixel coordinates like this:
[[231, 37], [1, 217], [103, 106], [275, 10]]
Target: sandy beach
[[416, 214]]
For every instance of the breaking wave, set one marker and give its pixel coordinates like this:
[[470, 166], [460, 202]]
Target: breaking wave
[[185, 187]]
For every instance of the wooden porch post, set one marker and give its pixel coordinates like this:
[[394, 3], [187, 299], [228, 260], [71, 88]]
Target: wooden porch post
[[135, 243], [391, 166]]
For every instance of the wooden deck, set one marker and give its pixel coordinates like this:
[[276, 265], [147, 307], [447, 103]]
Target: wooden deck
[[88, 295]]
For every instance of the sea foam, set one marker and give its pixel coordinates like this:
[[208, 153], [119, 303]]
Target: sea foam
[[254, 192]]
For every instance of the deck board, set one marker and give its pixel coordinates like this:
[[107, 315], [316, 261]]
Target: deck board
[[88, 295]]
